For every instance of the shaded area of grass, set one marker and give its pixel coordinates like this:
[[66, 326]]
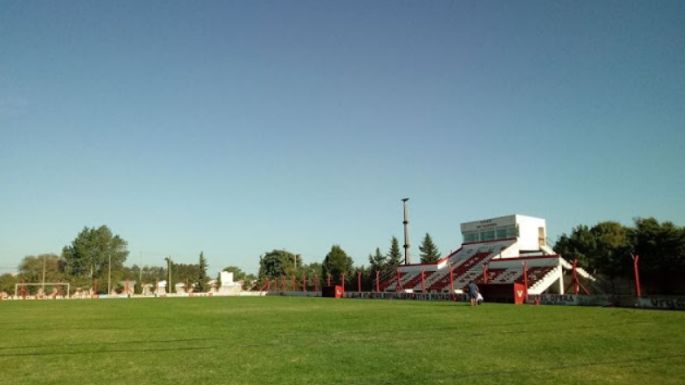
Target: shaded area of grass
[[280, 340]]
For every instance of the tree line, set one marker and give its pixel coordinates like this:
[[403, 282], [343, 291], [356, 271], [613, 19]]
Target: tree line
[[283, 267], [606, 250], [95, 259]]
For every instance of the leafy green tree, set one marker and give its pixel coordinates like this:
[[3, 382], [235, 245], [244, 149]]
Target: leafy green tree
[[661, 247], [336, 263], [580, 244], [611, 248], [31, 268], [429, 252], [90, 253], [278, 263], [605, 249], [7, 282], [602, 248]]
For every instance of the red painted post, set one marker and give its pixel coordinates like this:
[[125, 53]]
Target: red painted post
[[636, 270], [398, 287], [378, 282], [342, 281], [525, 279], [304, 281], [485, 273], [423, 281], [359, 281], [576, 283], [451, 282]]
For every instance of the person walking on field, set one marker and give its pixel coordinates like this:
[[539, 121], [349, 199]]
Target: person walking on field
[[473, 293]]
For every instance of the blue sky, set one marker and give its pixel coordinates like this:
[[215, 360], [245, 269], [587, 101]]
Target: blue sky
[[235, 128]]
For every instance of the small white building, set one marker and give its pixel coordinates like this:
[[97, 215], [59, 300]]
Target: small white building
[[161, 288], [228, 287]]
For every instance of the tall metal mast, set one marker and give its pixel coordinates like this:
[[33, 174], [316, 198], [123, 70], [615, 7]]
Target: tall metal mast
[[407, 256]]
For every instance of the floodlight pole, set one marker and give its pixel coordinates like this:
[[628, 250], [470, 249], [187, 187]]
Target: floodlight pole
[[407, 257]]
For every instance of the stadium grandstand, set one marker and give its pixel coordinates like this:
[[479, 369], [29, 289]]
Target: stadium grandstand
[[496, 253]]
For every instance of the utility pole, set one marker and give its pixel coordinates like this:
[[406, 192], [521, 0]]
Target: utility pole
[[407, 256], [140, 273], [44, 258], [109, 274], [168, 261]]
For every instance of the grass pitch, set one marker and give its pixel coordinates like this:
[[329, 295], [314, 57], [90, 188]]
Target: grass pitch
[[282, 340]]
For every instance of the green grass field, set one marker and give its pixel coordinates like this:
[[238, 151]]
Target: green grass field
[[281, 340]]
